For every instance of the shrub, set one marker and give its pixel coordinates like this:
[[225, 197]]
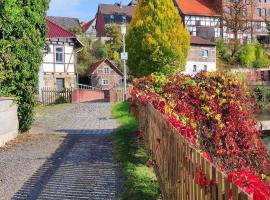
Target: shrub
[[222, 50], [22, 38], [262, 96], [215, 113], [248, 55], [157, 40]]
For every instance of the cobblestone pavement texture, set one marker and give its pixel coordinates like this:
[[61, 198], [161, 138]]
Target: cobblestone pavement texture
[[68, 155]]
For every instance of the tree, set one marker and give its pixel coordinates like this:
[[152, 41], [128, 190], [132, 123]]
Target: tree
[[22, 38], [156, 40], [115, 43], [237, 17]]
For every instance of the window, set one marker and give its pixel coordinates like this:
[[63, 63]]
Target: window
[[105, 82], [205, 53], [194, 68], [106, 70], [59, 54], [60, 83]]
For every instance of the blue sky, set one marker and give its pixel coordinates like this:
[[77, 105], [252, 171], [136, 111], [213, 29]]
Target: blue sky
[[82, 9]]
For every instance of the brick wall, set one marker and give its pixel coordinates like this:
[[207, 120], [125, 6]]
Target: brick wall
[[98, 76], [80, 96]]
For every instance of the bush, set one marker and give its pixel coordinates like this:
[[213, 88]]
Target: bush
[[252, 55], [22, 38], [157, 40], [262, 96], [248, 55], [215, 113], [222, 50]]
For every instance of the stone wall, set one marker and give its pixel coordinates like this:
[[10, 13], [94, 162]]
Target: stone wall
[[8, 120], [50, 79]]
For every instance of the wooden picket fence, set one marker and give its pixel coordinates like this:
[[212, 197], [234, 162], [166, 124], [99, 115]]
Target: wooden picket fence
[[118, 94], [55, 95], [176, 161]]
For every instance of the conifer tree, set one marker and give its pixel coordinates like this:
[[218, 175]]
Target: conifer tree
[[157, 40]]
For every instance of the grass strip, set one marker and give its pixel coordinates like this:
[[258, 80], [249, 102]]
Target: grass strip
[[139, 180]]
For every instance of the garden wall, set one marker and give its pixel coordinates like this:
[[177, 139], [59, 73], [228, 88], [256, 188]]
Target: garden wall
[[177, 163], [81, 95], [8, 120]]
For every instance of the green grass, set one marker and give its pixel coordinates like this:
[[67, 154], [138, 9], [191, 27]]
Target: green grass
[[139, 182]]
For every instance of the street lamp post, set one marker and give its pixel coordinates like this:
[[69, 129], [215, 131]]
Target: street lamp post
[[124, 57]]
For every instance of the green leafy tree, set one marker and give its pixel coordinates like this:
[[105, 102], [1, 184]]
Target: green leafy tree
[[22, 38], [156, 40], [114, 44], [99, 50]]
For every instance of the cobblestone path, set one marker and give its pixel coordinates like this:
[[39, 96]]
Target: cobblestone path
[[82, 166]]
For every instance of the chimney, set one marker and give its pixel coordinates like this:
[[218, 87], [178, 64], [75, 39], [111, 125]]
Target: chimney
[[120, 4]]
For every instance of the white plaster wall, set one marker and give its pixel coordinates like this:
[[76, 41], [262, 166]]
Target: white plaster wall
[[48, 67], [69, 58], [211, 66], [59, 68], [70, 68], [9, 124], [68, 49], [48, 58]]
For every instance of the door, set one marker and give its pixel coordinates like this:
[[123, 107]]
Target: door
[[60, 83]]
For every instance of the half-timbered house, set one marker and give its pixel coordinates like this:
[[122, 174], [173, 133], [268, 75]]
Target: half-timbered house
[[200, 17], [58, 69]]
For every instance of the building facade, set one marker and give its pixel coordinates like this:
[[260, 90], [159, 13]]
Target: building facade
[[200, 18], [89, 29], [255, 14], [105, 75], [202, 56], [58, 69]]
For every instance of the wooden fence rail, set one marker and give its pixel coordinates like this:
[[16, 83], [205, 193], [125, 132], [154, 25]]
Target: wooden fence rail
[[55, 95], [176, 162]]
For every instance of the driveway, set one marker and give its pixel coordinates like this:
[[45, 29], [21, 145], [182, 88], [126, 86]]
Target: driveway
[[68, 155]]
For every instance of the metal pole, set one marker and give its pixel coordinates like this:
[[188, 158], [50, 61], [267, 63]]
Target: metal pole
[[125, 69]]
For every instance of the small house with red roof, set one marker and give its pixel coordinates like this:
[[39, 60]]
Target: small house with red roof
[[105, 75], [58, 69], [202, 56]]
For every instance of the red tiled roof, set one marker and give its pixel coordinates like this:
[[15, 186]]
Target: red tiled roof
[[56, 31], [200, 41], [197, 7], [86, 26], [97, 64]]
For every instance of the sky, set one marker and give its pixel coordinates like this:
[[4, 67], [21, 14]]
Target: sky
[[85, 10]]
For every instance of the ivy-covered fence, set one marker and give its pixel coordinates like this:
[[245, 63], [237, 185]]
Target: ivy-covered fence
[[183, 172]]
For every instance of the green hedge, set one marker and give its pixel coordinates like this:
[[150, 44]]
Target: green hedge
[[22, 38]]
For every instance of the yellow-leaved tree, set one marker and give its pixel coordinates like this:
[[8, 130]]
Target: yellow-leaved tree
[[157, 40]]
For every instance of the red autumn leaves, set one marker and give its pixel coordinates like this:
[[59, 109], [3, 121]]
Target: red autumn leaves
[[214, 112]]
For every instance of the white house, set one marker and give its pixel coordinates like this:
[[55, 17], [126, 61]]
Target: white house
[[89, 29], [59, 63], [202, 56]]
